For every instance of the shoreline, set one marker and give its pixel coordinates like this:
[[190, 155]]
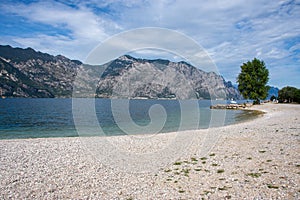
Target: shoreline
[[258, 158]]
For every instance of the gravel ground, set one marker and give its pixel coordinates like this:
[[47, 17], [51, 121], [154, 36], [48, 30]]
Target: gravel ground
[[258, 159]]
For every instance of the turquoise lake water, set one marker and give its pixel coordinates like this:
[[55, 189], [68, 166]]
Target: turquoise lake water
[[39, 118]]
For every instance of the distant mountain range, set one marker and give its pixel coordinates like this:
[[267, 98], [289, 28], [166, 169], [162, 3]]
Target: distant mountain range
[[28, 73], [273, 91]]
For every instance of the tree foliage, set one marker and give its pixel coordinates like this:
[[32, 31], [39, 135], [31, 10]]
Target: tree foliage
[[289, 95], [253, 79]]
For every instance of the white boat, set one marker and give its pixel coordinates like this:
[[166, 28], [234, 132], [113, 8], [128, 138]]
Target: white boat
[[233, 102]]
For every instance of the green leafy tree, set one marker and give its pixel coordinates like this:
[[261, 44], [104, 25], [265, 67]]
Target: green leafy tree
[[273, 98], [289, 95], [253, 79]]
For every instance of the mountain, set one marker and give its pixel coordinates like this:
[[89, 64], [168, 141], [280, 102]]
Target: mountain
[[52, 74], [28, 73], [135, 78], [15, 83], [273, 91]]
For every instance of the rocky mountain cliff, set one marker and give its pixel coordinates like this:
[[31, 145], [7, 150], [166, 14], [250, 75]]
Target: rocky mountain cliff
[[27, 73], [141, 78], [49, 76]]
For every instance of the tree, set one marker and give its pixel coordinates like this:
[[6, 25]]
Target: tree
[[253, 79], [273, 98], [289, 95]]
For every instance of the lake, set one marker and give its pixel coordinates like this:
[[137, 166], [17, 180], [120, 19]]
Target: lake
[[39, 118]]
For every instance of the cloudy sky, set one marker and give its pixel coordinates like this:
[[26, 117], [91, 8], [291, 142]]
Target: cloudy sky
[[231, 31]]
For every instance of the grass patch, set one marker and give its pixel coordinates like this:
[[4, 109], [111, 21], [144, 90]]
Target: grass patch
[[193, 159], [269, 160], [219, 171], [261, 151], [203, 162], [271, 186], [167, 170], [186, 171], [197, 169], [254, 175], [249, 158], [222, 188], [169, 179], [214, 164], [177, 163], [206, 192], [181, 191], [203, 158], [212, 154]]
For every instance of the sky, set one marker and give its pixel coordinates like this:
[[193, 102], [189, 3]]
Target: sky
[[232, 32]]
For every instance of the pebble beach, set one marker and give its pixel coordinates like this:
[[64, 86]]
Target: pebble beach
[[256, 159]]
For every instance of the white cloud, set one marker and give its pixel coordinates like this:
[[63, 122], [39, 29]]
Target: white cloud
[[84, 28], [82, 22]]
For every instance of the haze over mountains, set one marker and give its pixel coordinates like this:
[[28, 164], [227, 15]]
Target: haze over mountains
[[27, 73]]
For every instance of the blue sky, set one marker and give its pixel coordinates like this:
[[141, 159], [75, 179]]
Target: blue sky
[[231, 31]]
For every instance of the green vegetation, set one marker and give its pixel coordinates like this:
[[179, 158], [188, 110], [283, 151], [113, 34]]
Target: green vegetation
[[289, 95], [272, 186], [194, 159], [186, 171], [273, 98], [223, 188], [254, 175], [220, 171], [253, 79], [177, 163]]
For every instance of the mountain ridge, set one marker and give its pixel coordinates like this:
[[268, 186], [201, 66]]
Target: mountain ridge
[[124, 77]]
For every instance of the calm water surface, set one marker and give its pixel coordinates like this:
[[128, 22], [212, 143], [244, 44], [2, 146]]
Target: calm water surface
[[38, 118]]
